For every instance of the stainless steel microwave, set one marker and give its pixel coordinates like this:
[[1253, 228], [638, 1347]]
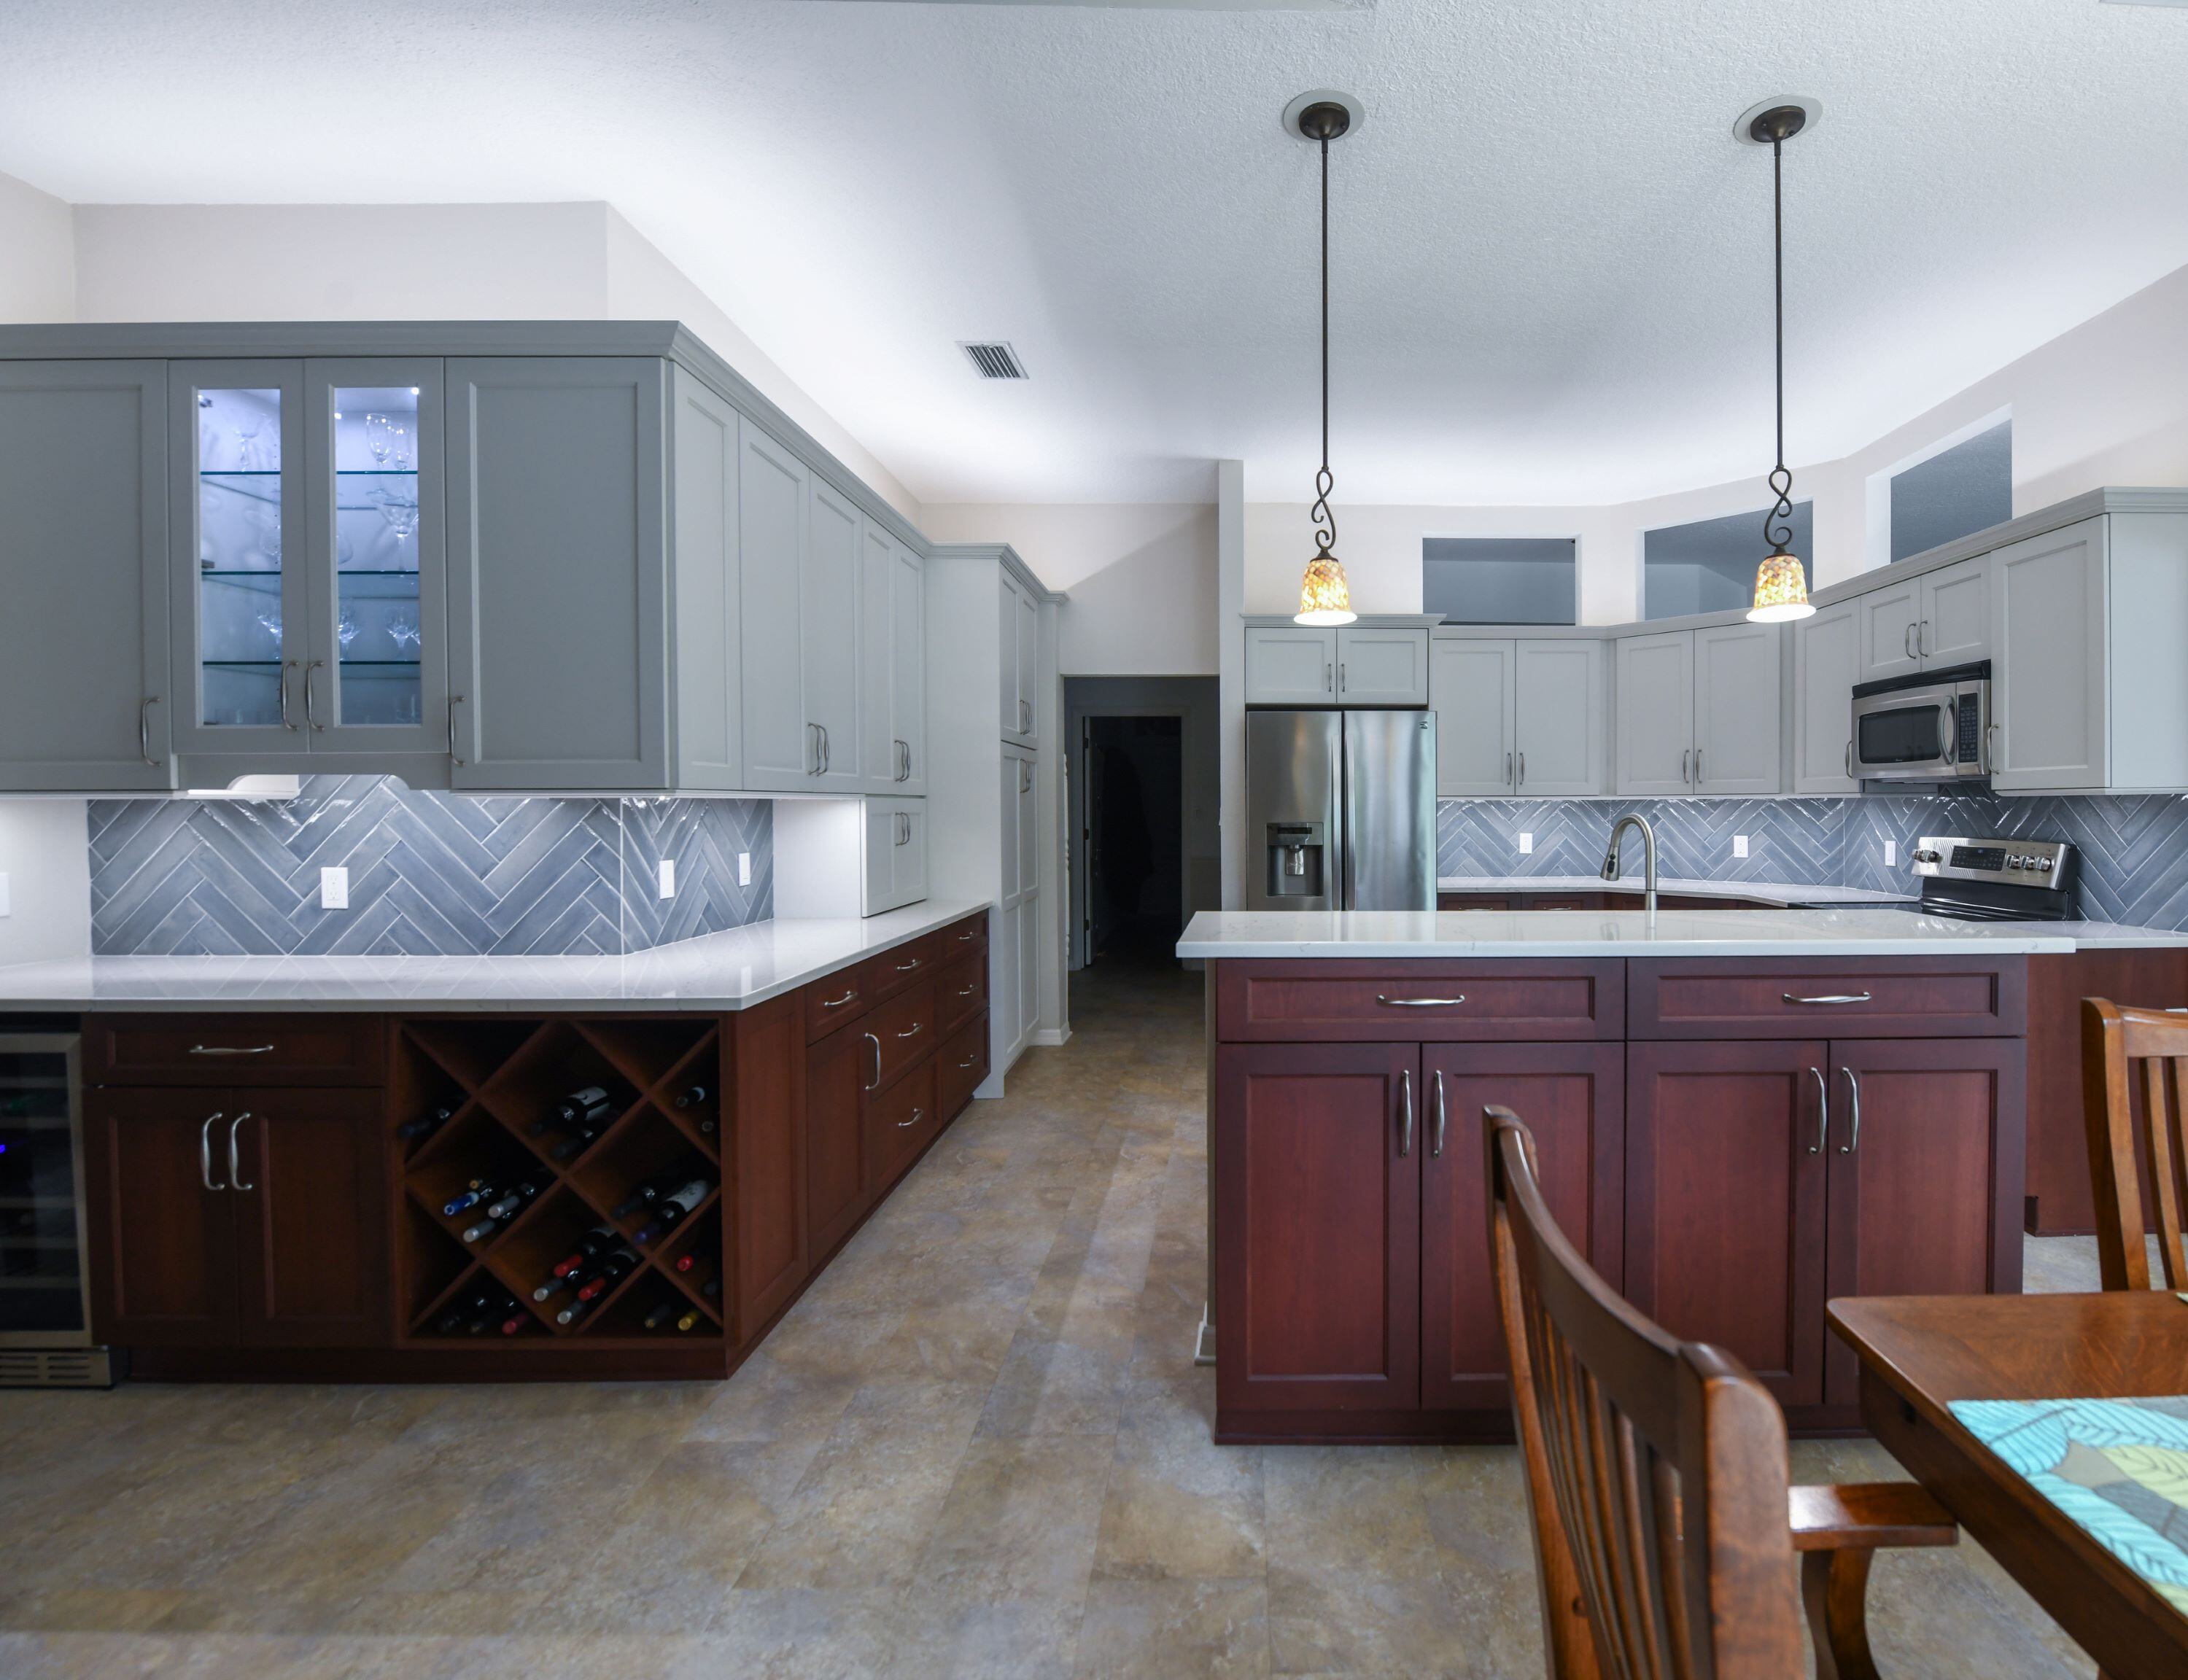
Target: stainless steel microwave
[[1931, 726]]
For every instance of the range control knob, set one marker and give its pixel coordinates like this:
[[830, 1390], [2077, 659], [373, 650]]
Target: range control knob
[[2043, 865], [2014, 861], [1925, 855]]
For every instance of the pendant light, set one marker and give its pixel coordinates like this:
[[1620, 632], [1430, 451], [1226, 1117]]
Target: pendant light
[[1781, 586], [1324, 596]]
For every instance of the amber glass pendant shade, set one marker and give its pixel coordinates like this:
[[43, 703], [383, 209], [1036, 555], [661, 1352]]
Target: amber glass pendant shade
[[1781, 590], [1324, 596]]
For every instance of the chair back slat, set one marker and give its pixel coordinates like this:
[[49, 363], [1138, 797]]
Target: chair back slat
[[2120, 1045], [1656, 1469]]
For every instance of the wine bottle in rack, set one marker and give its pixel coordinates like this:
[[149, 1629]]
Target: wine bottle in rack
[[502, 1211], [457, 1317], [425, 1126], [648, 1191], [590, 1247], [671, 1210], [480, 1190], [712, 1286], [501, 1306], [687, 1321], [612, 1270], [576, 1141], [572, 1313], [662, 1313], [585, 1105]]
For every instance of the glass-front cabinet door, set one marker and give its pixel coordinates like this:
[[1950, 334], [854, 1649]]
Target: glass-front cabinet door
[[311, 606]]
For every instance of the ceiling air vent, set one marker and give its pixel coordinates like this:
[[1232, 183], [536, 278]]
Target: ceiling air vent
[[995, 361]]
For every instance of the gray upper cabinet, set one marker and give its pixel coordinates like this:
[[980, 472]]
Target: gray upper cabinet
[[704, 549], [86, 705], [1380, 667], [831, 602], [1290, 665], [1826, 665], [1474, 686], [1558, 687], [1738, 743], [557, 591], [1656, 714], [2050, 717], [780, 750]]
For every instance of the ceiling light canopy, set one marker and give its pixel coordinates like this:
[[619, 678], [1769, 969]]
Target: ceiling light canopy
[[1781, 584], [1325, 597]]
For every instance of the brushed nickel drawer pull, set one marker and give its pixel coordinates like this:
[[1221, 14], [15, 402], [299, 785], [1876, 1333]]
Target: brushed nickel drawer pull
[[907, 967], [912, 1032], [234, 1170], [877, 1044], [850, 996], [967, 991], [972, 1061], [968, 936], [917, 1116], [1830, 997], [205, 1152], [1420, 1002], [231, 1050], [1823, 1112]]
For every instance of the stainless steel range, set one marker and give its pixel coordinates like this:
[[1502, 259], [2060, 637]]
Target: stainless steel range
[[1994, 880]]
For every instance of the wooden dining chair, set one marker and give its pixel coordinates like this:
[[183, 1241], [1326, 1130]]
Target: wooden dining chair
[[2114, 1038], [1665, 1525]]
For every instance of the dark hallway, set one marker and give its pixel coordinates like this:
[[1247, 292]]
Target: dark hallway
[[1134, 837]]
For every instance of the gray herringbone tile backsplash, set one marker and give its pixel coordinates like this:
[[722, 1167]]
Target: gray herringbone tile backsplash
[[2133, 851], [430, 874]]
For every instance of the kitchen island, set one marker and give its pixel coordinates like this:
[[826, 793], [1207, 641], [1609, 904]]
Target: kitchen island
[[1740, 1115]]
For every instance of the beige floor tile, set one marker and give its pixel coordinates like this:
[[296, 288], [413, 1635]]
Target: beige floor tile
[[1175, 1630]]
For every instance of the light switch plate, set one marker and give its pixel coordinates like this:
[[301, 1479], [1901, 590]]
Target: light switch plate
[[668, 877], [744, 869], [1891, 853], [1526, 843], [333, 888], [1739, 845]]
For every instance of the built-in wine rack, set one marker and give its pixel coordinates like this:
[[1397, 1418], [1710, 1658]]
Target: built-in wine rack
[[499, 1078]]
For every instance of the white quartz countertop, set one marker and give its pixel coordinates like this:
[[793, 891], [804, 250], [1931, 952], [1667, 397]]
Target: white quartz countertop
[[717, 973], [1780, 893], [1853, 931]]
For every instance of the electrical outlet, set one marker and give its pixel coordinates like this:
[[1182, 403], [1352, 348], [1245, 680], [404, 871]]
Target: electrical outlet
[[1526, 843], [668, 877], [1739, 845], [334, 888], [1891, 853], [744, 869]]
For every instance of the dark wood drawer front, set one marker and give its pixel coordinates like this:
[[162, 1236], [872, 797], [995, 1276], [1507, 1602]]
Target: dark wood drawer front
[[960, 937], [961, 990], [903, 1029], [962, 1064], [301, 1049], [841, 997], [899, 1120], [906, 966], [1314, 1001], [1835, 997]]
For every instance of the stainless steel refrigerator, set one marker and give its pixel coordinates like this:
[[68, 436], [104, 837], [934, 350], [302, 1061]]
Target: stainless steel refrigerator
[[1340, 810]]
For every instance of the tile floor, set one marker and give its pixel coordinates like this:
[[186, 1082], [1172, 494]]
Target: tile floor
[[977, 1447]]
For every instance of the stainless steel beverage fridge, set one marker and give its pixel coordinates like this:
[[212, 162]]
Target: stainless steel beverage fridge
[[45, 1307], [1340, 810]]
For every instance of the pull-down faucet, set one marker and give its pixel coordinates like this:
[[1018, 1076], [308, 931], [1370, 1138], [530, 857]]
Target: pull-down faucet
[[1647, 857]]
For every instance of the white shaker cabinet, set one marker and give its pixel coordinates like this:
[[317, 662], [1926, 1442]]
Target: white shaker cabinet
[[86, 705], [1888, 617], [907, 621], [1382, 667], [830, 603], [1558, 689], [1826, 665], [893, 848], [779, 749], [557, 591], [1290, 665], [1656, 714], [1738, 746], [1955, 628], [1473, 685], [1019, 627]]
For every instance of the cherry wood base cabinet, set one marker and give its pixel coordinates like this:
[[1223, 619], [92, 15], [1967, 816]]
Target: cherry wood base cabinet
[[284, 1196], [1729, 1185]]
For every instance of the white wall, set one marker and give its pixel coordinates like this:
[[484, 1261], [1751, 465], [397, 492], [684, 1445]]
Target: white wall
[[38, 254], [1140, 577], [45, 853], [2104, 403]]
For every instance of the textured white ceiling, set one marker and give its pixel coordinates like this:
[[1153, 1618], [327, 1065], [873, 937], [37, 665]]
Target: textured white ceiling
[[1551, 257]]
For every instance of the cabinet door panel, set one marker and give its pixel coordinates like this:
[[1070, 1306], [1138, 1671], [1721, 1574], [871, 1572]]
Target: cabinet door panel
[[1655, 726], [910, 877], [1318, 1227], [709, 610], [1383, 667], [772, 498], [310, 1229], [837, 1179], [1560, 706], [1028, 826], [1826, 664], [85, 701], [558, 572], [1724, 1202], [1572, 1097], [879, 758], [1925, 1200], [1888, 616], [162, 1245], [1009, 713], [1027, 627], [1290, 667], [1955, 614], [1739, 747], [2049, 616], [908, 669], [831, 612], [1472, 685], [766, 1161]]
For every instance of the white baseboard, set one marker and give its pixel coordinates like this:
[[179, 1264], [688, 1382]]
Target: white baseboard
[[1050, 1037]]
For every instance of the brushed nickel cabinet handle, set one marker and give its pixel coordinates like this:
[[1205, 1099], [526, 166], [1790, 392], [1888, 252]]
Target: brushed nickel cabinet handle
[[231, 1050], [1823, 1112], [967, 991], [1523, 770], [972, 1061], [205, 1152], [1686, 756], [1436, 1108], [145, 729], [1853, 1135], [877, 1044], [968, 936], [850, 996], [1405, 1111], [1849, 759], [912, 1031], [1420, 1002], [287, 722], [1508, 769], [1698, 767], [311, 694], [917, 1114], [234, 1170], [454, 700], [907, 967], [1907, 642], [1830, 997]]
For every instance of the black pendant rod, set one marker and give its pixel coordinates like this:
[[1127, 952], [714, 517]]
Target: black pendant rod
[[1324, 539], [1777, 526]]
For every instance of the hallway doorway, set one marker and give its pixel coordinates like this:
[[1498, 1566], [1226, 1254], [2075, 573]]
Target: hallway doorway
[[1133, 840]]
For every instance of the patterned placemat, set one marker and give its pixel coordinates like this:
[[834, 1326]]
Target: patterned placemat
[[2118, 1468]]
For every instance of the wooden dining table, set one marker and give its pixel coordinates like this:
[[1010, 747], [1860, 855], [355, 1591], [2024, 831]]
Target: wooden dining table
[[1921, 1353]]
